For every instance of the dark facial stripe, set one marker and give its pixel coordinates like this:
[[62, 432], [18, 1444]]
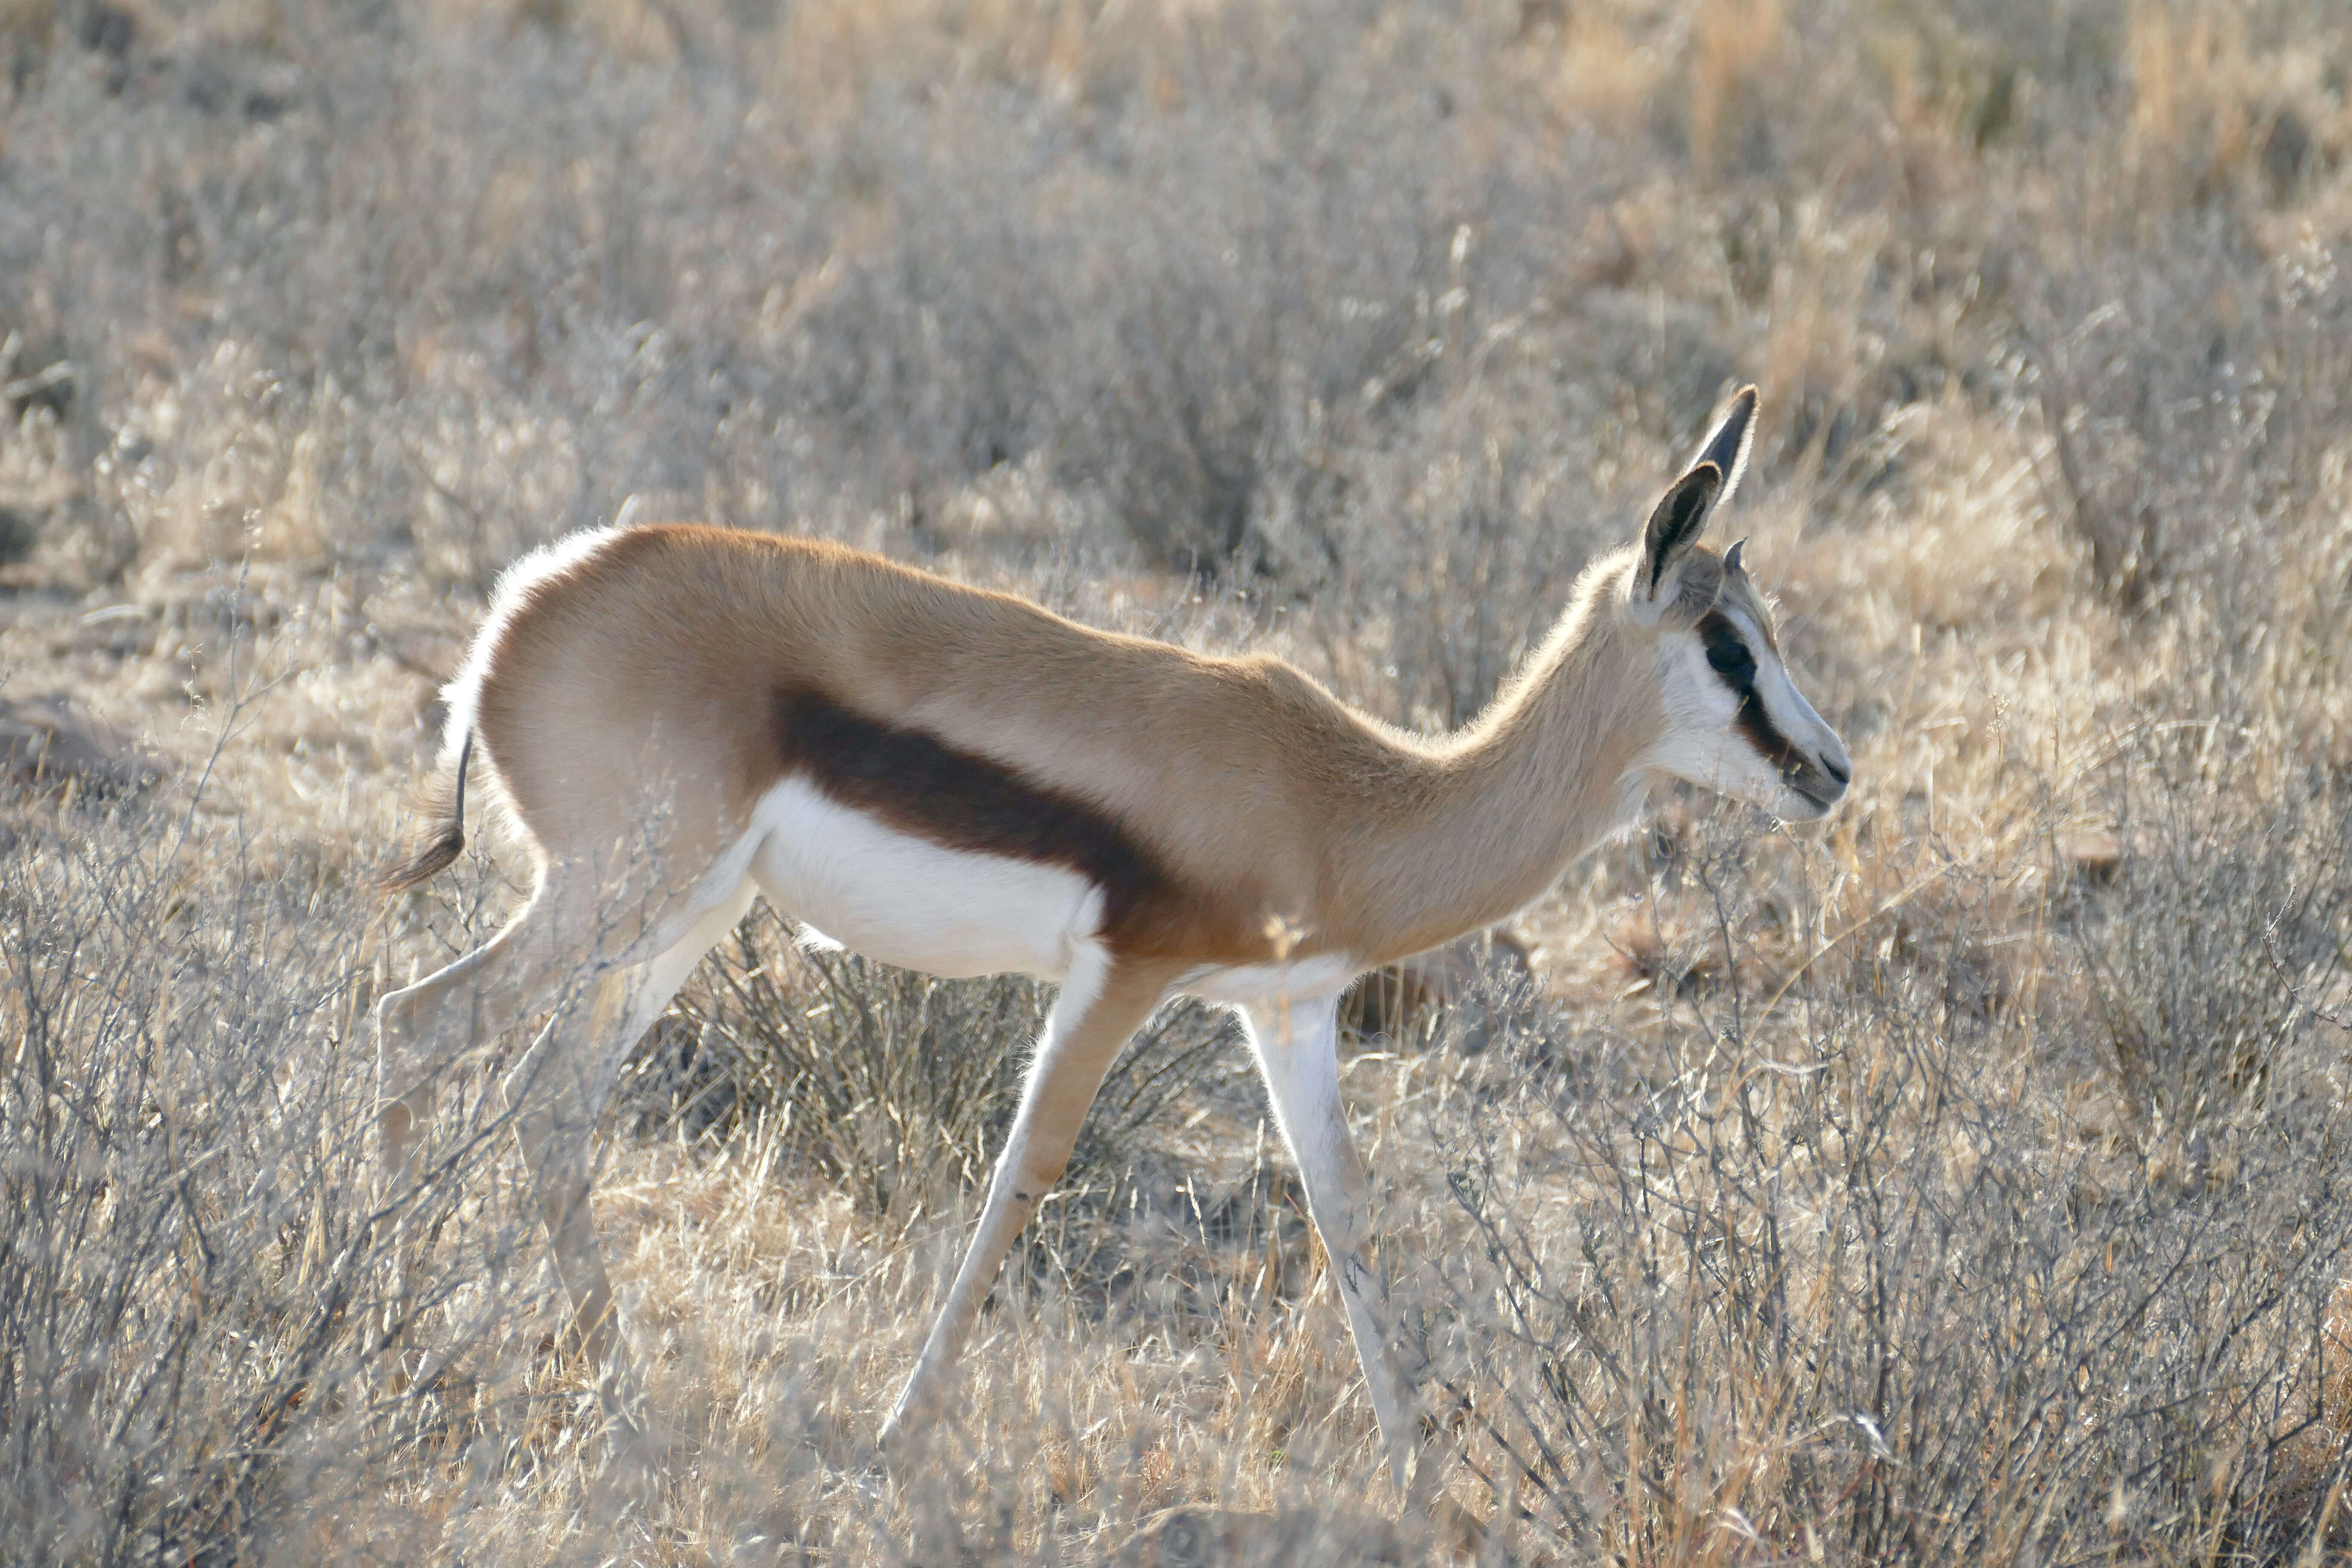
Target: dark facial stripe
[[1728, 656], [958, 801]]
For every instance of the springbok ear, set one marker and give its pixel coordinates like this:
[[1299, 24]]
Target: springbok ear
[[1674, 528], [1734, 434]]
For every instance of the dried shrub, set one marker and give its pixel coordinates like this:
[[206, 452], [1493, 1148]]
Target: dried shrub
[[2227, 915], [1861, 1284], [202, 1333]]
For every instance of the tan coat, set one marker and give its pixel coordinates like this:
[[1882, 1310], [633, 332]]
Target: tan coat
[[1250, 793]]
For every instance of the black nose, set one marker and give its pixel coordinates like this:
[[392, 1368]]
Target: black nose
[[1840, 771]]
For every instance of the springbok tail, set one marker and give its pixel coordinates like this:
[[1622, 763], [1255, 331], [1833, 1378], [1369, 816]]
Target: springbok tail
[[437, 853]]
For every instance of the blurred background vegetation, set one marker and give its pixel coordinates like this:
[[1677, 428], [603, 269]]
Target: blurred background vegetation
[[1958, 1184]]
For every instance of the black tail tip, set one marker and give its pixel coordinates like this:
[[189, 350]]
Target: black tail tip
[[429, 861]]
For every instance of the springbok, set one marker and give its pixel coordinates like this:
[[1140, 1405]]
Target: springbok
[[961, 782]]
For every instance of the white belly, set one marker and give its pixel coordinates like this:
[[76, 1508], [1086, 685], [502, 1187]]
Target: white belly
[[1255, 985], [905, 901]]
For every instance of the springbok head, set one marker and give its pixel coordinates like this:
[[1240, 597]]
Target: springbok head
[[1735, 721]]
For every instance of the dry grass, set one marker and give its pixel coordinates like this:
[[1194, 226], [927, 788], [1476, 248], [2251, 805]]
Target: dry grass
[[1963, 1183]]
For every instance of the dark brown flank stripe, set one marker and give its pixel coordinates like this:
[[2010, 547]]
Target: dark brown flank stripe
[[1725, 647], [959, 801]]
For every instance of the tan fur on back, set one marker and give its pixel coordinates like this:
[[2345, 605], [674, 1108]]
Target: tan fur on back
[[639, 681]]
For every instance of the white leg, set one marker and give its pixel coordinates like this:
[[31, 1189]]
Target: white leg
[[551, 1097], [1098, 1008], [654, 987], [421, 1028], [1298, 1051], [581, 924], [559, 946], [557, 1090]]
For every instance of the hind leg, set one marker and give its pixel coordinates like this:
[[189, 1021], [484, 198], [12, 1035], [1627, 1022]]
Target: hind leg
[[421, 1028], [558, 948], [525, 969], [587, 919], [558, 1091]]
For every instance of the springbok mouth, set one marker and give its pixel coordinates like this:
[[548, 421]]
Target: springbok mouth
[[1824, 792], [1814, 783], [1820, 781]]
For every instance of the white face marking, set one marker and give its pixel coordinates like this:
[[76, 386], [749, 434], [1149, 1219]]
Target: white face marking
[[463, 693], [905, 901], [1705, 745], [1255, 985]]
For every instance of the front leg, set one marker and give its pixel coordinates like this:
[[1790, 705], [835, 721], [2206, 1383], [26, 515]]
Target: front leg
[[1297, 1046], [1100, 1006]]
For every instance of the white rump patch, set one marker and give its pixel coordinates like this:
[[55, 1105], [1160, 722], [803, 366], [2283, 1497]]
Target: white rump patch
[[462, 695], [891, 896]]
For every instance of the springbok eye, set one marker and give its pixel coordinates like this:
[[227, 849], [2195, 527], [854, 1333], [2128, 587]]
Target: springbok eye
[[1728, 656]]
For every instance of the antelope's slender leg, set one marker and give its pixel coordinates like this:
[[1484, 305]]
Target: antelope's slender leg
[[552, 1096], [423, 1027], [567, 942], [559, 1089], [1298, 1051], [1098, 1008], [592, 915]]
